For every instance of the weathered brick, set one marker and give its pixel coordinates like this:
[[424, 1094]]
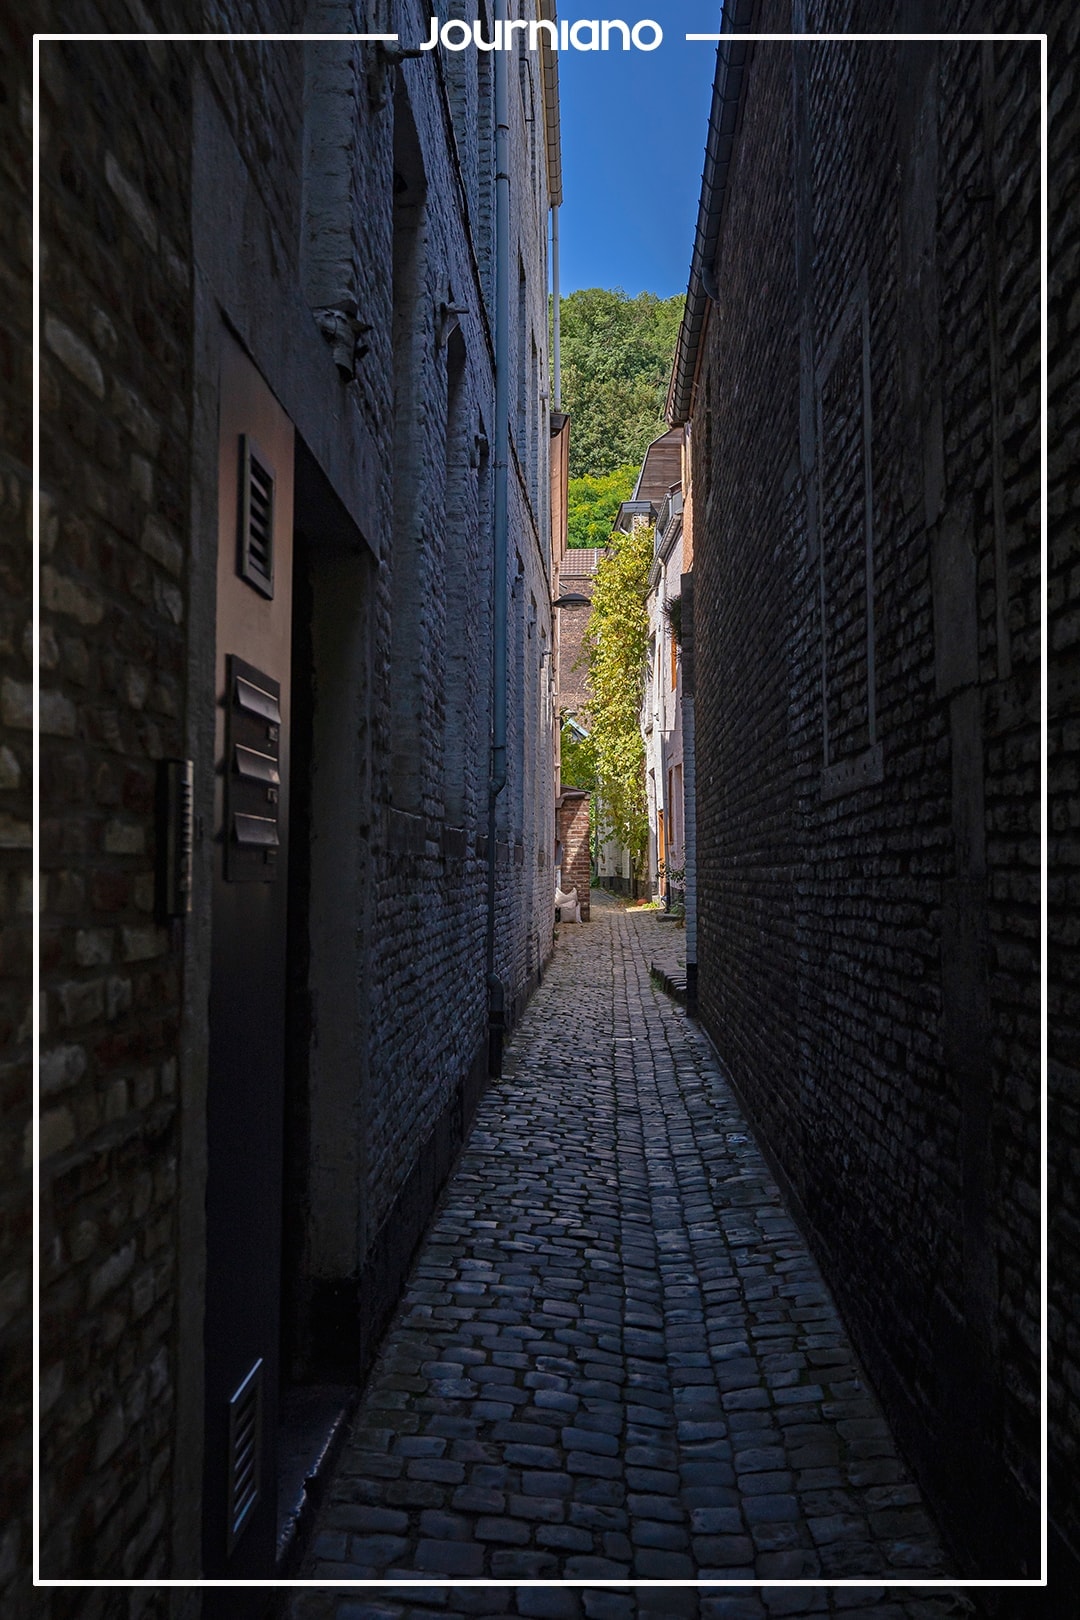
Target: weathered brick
[[128, 385], [75, 354], [866, 651]]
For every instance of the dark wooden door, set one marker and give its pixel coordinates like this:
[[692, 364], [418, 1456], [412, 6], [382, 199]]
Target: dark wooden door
[[247, 997]]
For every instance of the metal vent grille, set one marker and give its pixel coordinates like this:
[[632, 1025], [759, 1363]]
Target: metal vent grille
[[256, 518], [245, 1452]]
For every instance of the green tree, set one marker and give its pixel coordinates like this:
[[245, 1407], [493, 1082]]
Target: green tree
[[618, 643], [593, 502], [616, 361]]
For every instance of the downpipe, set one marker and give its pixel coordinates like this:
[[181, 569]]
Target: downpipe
[[556, 313], [496, 990]]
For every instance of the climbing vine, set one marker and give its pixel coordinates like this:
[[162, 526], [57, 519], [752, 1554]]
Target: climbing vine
[[617, 649]]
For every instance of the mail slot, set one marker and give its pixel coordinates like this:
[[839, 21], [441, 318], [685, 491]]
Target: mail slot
[[257, 767], [255, 832], [258, 699], [252, 774]]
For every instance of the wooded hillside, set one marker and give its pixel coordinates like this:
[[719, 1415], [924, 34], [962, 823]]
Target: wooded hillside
[[616, 360]]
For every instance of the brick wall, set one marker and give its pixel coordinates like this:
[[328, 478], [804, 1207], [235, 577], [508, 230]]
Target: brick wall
[[1063, 1006], [182, 190], [115, 423], [573, 833], [867, 832], [15, 810], [577, 571]]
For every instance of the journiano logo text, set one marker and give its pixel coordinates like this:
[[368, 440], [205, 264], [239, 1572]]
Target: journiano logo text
[[588, 34]]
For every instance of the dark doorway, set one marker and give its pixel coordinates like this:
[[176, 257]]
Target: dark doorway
[[323, 1235], [246, 1036]]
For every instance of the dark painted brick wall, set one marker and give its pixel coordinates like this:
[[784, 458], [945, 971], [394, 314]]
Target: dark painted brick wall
[[121, 553], [15, 790], [1063, 588], [115, 390], [868, 832]]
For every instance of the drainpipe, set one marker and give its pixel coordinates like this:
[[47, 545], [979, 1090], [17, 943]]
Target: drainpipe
[[497, 781], [556, 363]]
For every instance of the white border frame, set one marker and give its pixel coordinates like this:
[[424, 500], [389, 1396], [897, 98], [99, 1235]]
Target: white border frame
[[598, 1581]]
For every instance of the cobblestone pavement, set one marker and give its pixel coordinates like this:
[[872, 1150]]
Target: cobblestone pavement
[[616, 1358]]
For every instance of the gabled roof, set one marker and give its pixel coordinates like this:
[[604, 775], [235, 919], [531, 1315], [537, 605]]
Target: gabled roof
[[580, 562], [661, 468], [661, 471]]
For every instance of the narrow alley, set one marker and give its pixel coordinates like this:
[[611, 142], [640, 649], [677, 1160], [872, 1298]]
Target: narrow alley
[[448, 471], [616, 1356]]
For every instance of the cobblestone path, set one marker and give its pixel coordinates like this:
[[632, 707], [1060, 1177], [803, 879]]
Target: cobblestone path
[[616, 1358]]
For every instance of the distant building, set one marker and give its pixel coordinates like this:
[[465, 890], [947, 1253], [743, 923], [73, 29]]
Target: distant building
[[574, 581], [268, 481], [656, 500], [610, 865], [661, 712]]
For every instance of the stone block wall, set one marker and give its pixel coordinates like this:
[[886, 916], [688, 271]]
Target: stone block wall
[[866, 431]]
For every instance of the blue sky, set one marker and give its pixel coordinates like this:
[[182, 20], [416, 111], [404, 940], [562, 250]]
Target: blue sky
[[633, 144]]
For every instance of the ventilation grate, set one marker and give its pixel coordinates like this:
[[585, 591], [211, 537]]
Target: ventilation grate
[[256, 518], [245, 1452]]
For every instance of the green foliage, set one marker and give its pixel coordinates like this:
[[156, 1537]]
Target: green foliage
[[578, 770], [578, 761], [618, 644], [616, 361], [592, 504]]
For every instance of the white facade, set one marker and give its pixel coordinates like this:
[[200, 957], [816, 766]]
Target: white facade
[[661, 716]]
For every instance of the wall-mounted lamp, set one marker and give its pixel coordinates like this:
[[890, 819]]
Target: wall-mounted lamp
[[572, 599]]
